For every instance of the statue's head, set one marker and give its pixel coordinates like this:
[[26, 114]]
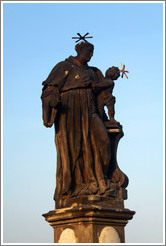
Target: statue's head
[[84, 50], [112, 73]]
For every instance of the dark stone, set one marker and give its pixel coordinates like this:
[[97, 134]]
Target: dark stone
[[109, 200], [90, 186]]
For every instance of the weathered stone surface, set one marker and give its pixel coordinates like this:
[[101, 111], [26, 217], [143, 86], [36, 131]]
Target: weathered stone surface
[[74, 96], [109, 235], [88, 221], [105, 201], [67, 236], [90, 187]]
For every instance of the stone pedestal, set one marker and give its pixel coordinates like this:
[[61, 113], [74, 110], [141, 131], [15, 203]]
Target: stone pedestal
[[94, 218], [93, 223]]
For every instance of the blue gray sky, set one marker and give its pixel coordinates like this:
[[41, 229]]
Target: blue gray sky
[[36, 36]]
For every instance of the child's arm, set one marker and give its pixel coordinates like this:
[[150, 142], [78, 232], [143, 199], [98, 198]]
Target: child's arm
[[102, 81]]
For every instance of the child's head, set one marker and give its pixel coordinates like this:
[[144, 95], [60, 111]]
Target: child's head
[[112, 73]]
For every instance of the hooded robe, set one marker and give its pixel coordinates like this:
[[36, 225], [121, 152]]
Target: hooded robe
[[82, 141]]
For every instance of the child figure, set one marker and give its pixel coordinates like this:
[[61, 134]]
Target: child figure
[[105, 98]]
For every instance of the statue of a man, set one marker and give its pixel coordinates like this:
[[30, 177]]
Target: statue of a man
[[70, 100]]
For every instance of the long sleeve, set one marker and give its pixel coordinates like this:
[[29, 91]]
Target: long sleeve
[[51, 97], [58, 75]]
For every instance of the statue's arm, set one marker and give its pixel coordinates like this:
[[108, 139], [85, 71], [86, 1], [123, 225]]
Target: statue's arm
[[101, 81], [50, 102], [57, 75], [51, 98]]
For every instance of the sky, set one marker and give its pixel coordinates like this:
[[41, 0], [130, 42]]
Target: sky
[[36, 36]]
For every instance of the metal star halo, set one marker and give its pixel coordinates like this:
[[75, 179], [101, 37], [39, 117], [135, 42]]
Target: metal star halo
[[80, 37], [123, 71]]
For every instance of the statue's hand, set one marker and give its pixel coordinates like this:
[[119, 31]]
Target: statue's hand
[[52, 96], [50, 101], [113, 73]]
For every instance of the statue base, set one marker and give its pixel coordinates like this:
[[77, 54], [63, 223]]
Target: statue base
[[89, 223], [114, 200], [87, 218]]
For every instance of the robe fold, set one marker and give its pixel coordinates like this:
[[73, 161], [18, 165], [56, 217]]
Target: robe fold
[[82, 141]]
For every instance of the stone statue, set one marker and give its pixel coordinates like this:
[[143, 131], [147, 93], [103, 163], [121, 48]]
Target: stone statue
[[73, 99]]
